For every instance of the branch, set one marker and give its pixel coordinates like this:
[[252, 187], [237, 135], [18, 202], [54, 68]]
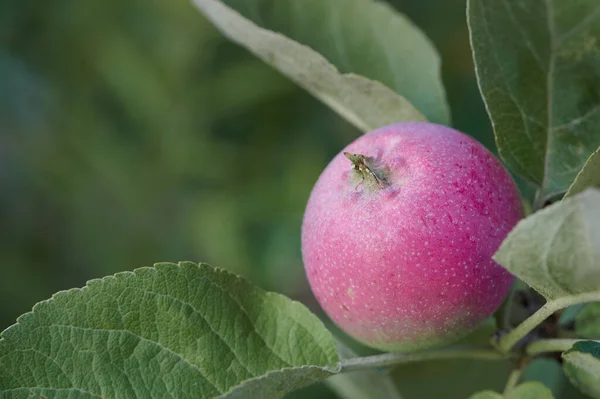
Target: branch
[[391, 359], [506, 343], [551, 345]]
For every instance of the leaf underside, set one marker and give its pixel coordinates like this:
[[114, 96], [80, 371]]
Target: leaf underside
[[556, 251], [341, 54]]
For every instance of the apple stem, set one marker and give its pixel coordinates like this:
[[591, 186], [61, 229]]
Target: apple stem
[[367, 171]]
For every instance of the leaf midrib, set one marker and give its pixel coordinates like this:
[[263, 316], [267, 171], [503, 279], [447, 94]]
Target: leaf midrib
[[511, 95], [140, 338], [549, 93]]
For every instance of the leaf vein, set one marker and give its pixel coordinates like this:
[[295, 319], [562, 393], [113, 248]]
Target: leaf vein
[[549, 90], [526, 39], [578, 27], [139, 337], [16, 389]]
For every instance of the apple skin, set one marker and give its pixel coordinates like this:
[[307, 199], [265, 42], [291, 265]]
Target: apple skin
[[409, 266]]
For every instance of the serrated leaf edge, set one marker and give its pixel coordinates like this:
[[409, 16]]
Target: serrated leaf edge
[[333, 368]]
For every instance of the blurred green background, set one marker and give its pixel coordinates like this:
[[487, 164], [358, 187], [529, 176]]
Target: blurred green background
[[132, 132]]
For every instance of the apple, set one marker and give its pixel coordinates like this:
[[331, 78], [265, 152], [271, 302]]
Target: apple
[[399, 233]]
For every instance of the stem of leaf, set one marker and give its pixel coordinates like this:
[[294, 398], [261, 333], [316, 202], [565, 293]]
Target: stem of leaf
[[392, 359], [538, 200], [513, 380], [551, 345], [506, 343]]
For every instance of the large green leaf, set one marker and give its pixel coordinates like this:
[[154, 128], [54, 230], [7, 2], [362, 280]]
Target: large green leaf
[[172, 330], [557, 250], [582, 365], [538, 67], [527, 390], [347, 53], [588, 176]]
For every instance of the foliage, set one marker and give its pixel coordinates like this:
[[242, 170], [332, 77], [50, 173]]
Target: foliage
[[185, 330], [172, 330], [537, 65]]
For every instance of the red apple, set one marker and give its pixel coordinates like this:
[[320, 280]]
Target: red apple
[[399, 233]]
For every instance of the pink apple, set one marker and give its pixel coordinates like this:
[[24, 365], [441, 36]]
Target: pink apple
[[399, 233]]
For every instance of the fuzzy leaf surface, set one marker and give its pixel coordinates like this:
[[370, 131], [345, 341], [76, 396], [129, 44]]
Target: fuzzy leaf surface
[[556, 251], [341, 52], [172, 330]]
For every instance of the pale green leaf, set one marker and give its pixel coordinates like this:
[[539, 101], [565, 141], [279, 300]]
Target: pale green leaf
[[582, 365], [588, 176], [176, 331], [527, 390], [587, 322], [365, 384], [360, 57], [557, 250], [538, 67]]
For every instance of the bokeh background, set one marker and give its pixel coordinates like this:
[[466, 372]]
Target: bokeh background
[[132, 132]]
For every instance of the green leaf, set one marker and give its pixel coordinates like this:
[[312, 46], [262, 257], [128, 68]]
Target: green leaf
[[582, 365], [527, 390], [360, 57], [538, 69], [171, 330], [587, 177], [587, 322], [557, 250], [367, 384]]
